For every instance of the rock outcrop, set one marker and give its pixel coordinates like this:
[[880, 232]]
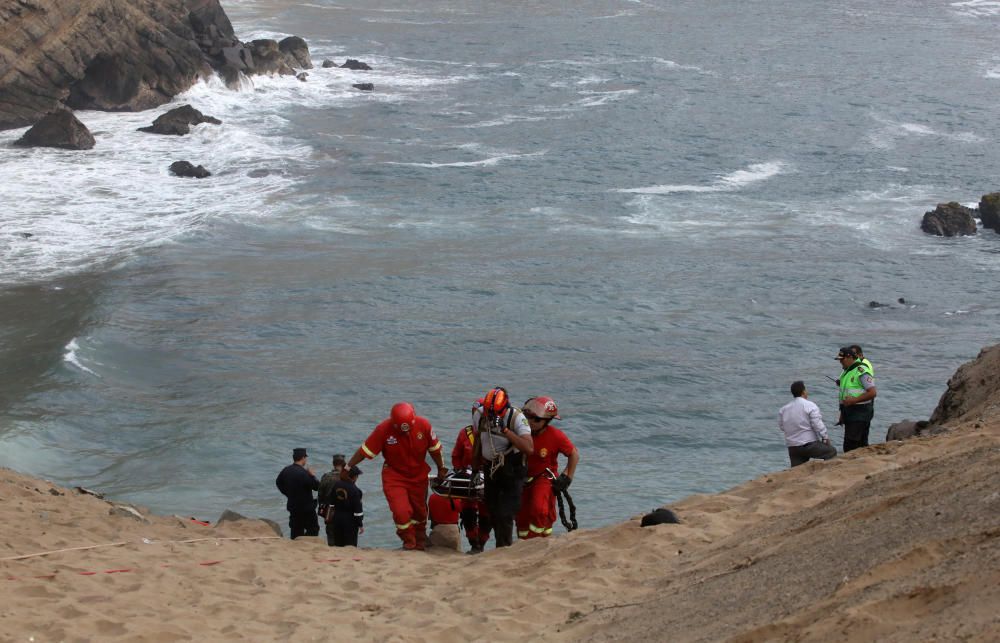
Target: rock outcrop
[[989, 211], [178, 121], [909, 429], [297, 50], [949, 220], [187, 169], [58, 129], [120, 55], [357, 65], [972, 390]]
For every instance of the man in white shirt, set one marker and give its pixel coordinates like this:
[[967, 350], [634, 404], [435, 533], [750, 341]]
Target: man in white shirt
[[802, 424]]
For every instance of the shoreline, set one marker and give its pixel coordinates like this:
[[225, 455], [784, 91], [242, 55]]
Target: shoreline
[[897, 541]]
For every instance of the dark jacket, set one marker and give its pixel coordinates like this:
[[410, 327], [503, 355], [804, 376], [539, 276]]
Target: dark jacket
[[346, 501], [297, 485]]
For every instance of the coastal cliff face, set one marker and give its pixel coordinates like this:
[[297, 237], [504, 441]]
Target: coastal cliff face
[[116, 55]]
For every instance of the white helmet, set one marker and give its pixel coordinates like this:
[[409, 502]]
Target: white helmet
[[541, 407]]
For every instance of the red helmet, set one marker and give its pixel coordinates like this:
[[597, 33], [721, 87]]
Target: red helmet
[[496, 401], [542, 407], [402, 415]]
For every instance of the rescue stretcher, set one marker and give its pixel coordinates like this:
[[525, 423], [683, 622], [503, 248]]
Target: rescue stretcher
[[461, 483]]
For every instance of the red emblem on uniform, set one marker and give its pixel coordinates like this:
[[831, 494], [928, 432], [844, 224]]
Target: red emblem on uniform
[[544, 452], [420, 435]]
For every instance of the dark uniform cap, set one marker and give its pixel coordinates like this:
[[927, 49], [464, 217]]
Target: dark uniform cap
[[298, 454], [355, 472], [845, 351]]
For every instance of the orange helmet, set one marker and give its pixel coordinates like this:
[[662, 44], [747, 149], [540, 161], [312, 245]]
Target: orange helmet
[[541, 407], [495, 402], [402, 415]]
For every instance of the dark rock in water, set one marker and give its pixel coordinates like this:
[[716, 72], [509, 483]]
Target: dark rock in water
[[989, 211], [365, 87], [213, 32], [302, 76], [25, 235], [297, 50], [259, 173], [901, 300], [329, 63], [231, 76], [356, 65], [909, 429], [178, 121], [949, 220], [238, 57], [268, 59], [185, 169], [58, 129], [661, 516]]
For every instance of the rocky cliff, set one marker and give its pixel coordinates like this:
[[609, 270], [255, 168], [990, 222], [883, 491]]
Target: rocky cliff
[[116, 55]]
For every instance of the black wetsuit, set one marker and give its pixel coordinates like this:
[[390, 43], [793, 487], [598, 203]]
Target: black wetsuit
[[348, 514], [297, 484]]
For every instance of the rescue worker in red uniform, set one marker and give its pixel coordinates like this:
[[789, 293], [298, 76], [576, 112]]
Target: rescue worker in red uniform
[[538, 502], [472, 511], [404, 439]]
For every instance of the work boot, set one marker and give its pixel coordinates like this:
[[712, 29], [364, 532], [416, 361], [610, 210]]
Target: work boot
[[476, 549], [409, 538]]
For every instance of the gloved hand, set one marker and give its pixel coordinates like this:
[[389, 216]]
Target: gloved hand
[[561, 483]]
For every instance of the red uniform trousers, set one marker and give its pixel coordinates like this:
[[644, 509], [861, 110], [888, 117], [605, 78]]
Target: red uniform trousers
[[538, 509], [408, 503]]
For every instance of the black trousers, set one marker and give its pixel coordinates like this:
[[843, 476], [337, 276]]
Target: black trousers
[[303, 523], [345, 532], [502, 495], [804, 453], [857, 423]]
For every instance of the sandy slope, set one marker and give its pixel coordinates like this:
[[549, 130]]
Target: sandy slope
[[899, 541]]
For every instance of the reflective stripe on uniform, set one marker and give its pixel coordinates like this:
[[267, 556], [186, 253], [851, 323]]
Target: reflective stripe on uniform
[[522, 534], [850, 381], [542, 531], [405, 526], [435, 448], [368, 452]]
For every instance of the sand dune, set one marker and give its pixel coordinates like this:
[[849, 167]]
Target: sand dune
[[898, 541]]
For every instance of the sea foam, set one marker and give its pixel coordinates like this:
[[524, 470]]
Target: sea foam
[[725, 183]]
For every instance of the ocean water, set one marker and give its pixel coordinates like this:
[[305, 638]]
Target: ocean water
[[658, 213]]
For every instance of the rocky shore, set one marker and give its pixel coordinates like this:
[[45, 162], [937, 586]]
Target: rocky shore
[[122, 55], [895, 542]]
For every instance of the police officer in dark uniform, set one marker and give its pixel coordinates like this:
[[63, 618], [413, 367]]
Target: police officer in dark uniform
[[297, 482], [348, 513]]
